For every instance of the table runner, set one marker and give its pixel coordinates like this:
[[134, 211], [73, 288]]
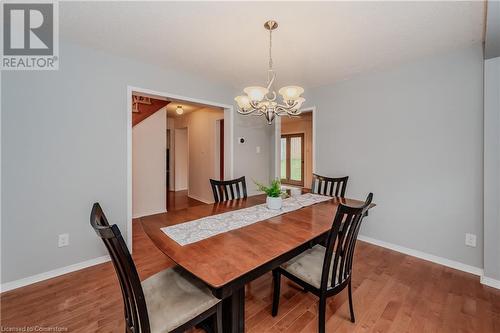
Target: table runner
[[196, 230]]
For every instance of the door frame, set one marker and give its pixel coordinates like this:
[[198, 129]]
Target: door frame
[[289, 158], [229, 142], [277, 142]]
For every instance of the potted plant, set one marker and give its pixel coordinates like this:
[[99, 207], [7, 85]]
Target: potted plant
[[274, 193]]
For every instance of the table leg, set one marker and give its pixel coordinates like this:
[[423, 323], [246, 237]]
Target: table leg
[[233, 312]]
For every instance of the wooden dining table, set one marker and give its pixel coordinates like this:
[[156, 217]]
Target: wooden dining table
[[227, 261]]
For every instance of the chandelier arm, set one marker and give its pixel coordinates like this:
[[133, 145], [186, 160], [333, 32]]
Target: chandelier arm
[[245, 112], [283, 110], [255, 105], [287, 107], [280, 110]]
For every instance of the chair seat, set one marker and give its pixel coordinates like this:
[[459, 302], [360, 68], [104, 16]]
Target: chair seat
[[308, 266], [173, 298]]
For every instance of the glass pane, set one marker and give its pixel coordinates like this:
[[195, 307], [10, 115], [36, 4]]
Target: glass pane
[[296, 158], [283, 158]]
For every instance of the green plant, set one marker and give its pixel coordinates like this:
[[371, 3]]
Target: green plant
[[273, 191]]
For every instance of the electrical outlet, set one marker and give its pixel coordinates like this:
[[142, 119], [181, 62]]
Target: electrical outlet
[[63, 240], [470, 240]]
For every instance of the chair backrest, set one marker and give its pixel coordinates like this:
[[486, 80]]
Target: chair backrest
[[334, 187], [136, 314], [341, 242], [229, 189]]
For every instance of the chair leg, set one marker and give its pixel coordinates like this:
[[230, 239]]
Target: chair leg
[[322, 314], [351, 308], [217, 319], [276, 291]]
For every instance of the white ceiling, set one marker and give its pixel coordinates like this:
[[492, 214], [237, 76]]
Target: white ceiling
[[187, 107], [316, 42]]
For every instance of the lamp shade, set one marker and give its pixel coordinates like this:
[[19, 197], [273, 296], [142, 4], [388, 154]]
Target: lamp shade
[[243, 102], [179, 110], [256, 93], [291, 93]]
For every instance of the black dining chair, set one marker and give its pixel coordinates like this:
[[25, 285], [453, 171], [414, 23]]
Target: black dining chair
[[333, 187], [224, 190], [326, 271], [168, 301]]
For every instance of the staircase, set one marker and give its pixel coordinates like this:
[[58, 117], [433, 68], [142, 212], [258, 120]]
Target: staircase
[[145, 107]]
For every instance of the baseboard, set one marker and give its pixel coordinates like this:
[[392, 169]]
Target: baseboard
[[200, 199], [180, 189], [490, 282], [425, 256], [52, 274], [149, 213], [414, 253]]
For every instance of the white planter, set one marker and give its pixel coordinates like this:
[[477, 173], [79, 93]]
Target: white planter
[[274, 203]]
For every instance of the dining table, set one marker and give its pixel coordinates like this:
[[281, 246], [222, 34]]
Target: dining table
[[229, 260]]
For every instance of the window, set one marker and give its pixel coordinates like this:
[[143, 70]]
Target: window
[[292, 159]]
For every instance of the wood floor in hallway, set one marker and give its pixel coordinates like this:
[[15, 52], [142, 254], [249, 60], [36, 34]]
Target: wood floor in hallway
[[393, 292], [179, 200]]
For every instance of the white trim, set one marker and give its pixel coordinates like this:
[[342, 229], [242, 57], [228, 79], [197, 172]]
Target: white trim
[[487, 281], [154, 93], [180, 189], [422, 255], [277, 145], [129, 168], [149, 213], [314, 141], [52, 274], [277, 148], [228, 114]]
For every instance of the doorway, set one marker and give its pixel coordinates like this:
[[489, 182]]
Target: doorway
[[219, 148], [292, 159], [168, 138], [181, 159], [295, 150]]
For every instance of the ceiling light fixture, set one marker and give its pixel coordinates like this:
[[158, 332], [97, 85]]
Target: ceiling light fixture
[[262, 101], [179, 109]]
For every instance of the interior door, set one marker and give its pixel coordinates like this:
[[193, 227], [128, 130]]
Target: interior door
[[292, 159]]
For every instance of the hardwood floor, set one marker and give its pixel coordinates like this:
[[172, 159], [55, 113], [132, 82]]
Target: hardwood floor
[[392, 293], [179, 200]]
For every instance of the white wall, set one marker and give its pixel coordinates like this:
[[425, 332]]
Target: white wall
[[181, 159], [257, 166], [492, 168], [64, 146], [413, 136], [149, 144], [201, 125]]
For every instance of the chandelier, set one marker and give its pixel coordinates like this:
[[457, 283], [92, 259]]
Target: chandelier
[[261, 101]]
